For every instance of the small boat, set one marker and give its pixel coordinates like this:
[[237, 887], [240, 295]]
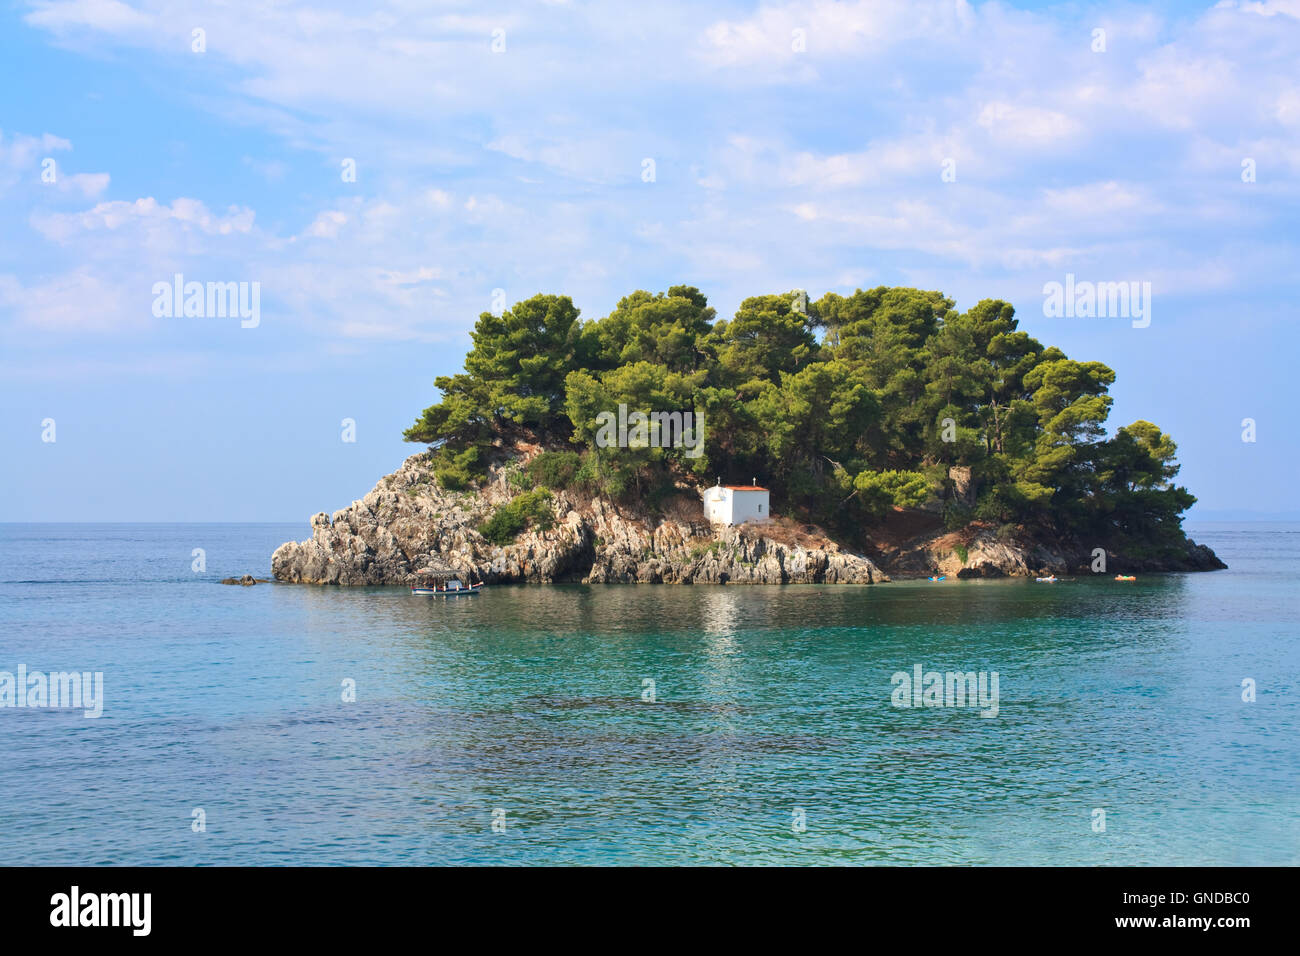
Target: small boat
[[1047, 580], [429, 583], [1126, 577], [455, 588], [452, 588], [942, 577]]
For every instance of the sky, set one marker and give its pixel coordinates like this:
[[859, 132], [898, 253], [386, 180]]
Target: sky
[[981, 149]]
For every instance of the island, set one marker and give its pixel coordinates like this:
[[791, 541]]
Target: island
[[839, 441]]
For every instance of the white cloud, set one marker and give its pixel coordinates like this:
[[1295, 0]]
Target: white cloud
[[1288, 107], [109, 16], [77, 300], [809, 30], [88, 185], [1268, 8], [411, 277], [522, 170], [1027, 125], [22, 152], [1096, 199], [146, 213], [327, 224]]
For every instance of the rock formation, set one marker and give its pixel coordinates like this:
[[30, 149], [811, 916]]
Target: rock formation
[[985, 552], [408, 521]]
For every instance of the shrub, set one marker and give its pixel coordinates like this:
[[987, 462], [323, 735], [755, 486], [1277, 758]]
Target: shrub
[[519, 479], [1005, 504], [956, 516], [532, 508], [661, 491], [610, 482], [961, 552], [700, 550], [881, 490], [555, 469], [595, 476], [456, 471]]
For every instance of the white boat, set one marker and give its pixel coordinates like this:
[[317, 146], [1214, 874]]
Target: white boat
[[428, 583]]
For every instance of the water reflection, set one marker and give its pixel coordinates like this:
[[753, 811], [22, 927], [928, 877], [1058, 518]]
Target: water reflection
[[768, 698]]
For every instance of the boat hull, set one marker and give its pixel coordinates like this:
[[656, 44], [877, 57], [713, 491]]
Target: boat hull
[[450, 592]]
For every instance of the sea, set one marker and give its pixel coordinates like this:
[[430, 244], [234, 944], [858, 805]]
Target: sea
[[1120, 723]]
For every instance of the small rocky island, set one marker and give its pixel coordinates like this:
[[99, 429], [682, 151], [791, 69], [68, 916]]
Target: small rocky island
[[408, 522], [898, 437]]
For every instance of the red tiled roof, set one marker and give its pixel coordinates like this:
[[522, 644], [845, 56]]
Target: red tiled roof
[[745, 487]]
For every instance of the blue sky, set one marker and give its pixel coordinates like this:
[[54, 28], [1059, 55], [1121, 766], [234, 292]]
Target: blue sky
[[776, 167]]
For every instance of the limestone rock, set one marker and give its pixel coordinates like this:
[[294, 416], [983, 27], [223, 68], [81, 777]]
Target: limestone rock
[[408, 520], [982, 552]]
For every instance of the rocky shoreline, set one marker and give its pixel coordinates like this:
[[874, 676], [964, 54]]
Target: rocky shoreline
[[408, 522], [981, 553]]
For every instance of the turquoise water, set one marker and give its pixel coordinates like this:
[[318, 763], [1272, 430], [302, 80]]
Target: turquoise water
[[528, 700]]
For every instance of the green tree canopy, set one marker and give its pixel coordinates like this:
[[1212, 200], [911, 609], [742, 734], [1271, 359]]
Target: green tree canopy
[[847, 406]]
